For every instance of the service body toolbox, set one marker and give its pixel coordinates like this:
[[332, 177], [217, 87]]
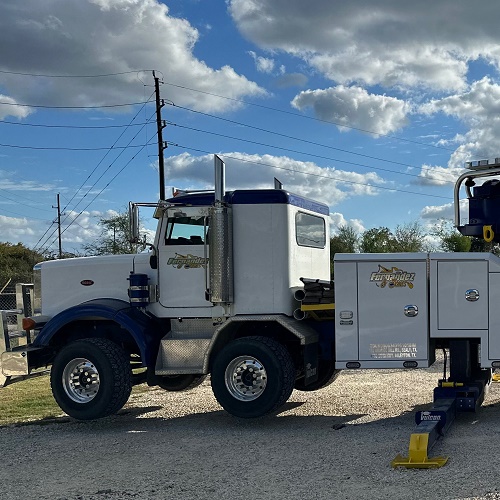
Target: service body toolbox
[[392, 308]]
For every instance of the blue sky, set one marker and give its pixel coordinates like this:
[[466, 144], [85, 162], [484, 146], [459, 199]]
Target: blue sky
[[371, 107]]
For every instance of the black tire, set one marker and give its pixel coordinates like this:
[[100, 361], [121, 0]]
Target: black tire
[[178, 383], [253, 376], [84, 365], [326, 375]]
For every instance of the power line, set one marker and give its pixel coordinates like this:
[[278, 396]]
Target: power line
[[73, 221], [298, 115], [109, 149], [19, 203], [273, 132], [24, 198], [97, 195], [43, 148], [292, 137], [75, 76], [72, 107], [21, 215], [297, 151], [107, 168], [43, 125], [41, 238], [309, 173]]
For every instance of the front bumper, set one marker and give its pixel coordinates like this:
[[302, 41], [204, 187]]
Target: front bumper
[[19, 363]]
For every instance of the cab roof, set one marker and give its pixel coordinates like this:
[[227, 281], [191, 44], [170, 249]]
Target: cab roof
[[252, 197]]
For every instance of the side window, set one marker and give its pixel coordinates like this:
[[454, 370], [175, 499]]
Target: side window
[[185, 231], [310, 230]]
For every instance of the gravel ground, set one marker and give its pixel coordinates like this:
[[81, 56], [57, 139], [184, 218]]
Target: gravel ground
[[336, 443]]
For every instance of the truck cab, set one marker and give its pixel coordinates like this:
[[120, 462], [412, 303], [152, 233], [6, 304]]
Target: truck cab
[[214, 295], [273, 239]]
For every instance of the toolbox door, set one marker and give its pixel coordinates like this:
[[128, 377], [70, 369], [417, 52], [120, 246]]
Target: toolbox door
[[393, 310], [462, 295]]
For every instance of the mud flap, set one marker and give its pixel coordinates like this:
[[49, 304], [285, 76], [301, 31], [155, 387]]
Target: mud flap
[[310, 363]]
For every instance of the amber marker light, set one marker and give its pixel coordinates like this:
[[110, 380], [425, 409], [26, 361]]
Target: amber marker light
[[28, 324]]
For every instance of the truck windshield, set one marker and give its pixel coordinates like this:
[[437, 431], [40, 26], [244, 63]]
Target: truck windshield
[[185, 231], [310, 230]]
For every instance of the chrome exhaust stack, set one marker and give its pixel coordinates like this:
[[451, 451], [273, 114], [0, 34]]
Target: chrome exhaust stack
[[220, 242]]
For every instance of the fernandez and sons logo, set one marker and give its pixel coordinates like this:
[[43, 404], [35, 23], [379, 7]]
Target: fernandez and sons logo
[[392, 277], [188, 261]]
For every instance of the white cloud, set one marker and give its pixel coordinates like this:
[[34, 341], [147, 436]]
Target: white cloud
[[10, 107], [263, 64], [337, 220], [107, 36], [478, 103], [437, 176], [355, 107], [418, 49], [428, 67], [479, 109], [9, 184], [446, 211], [244, 171], [15, 228], [291, 80], [392, 42]]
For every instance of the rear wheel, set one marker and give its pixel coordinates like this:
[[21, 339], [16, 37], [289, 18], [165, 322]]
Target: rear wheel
[[91, 378], [326, 375], [253, 376]]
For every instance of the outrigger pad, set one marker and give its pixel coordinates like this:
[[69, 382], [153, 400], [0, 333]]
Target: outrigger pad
[[417, 455], [429, 463]]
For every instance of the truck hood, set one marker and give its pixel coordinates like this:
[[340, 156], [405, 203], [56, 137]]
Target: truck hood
[[69, 282]]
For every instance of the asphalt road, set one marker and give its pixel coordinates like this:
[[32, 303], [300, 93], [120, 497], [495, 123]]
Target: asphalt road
[[336, 443]]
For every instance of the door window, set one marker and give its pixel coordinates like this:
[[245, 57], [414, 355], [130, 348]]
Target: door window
[[186, 230]]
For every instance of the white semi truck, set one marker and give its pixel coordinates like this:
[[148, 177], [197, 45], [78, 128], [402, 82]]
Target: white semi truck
[[237, 285]]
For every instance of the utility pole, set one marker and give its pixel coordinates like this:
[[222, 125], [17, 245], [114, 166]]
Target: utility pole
[[59, 224], [159, 126]]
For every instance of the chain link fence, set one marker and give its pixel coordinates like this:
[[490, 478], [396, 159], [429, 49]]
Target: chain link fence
[[16, 302], [8, 301]]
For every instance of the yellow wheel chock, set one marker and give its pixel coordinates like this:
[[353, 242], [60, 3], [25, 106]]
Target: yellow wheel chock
[[417, 455]]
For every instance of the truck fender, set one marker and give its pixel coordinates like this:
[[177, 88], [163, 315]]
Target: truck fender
[[307, 336], [140, 326]]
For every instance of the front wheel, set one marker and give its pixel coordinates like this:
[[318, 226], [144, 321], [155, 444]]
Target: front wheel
[[91, 378], [253, 376]]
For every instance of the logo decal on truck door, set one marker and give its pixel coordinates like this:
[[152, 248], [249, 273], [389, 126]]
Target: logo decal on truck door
[[188, 261], [392, 277]]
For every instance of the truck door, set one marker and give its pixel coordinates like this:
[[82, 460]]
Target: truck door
[[183, 258]]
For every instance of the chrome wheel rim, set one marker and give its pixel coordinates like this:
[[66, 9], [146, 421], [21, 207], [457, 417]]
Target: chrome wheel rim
[[81, 380], [245, 378]]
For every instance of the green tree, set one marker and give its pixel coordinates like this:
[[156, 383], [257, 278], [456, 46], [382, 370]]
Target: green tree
[[408, 238], [345, 241], [114, 237], [450, 239], [376, 240], [16, 263], [479, 245]]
